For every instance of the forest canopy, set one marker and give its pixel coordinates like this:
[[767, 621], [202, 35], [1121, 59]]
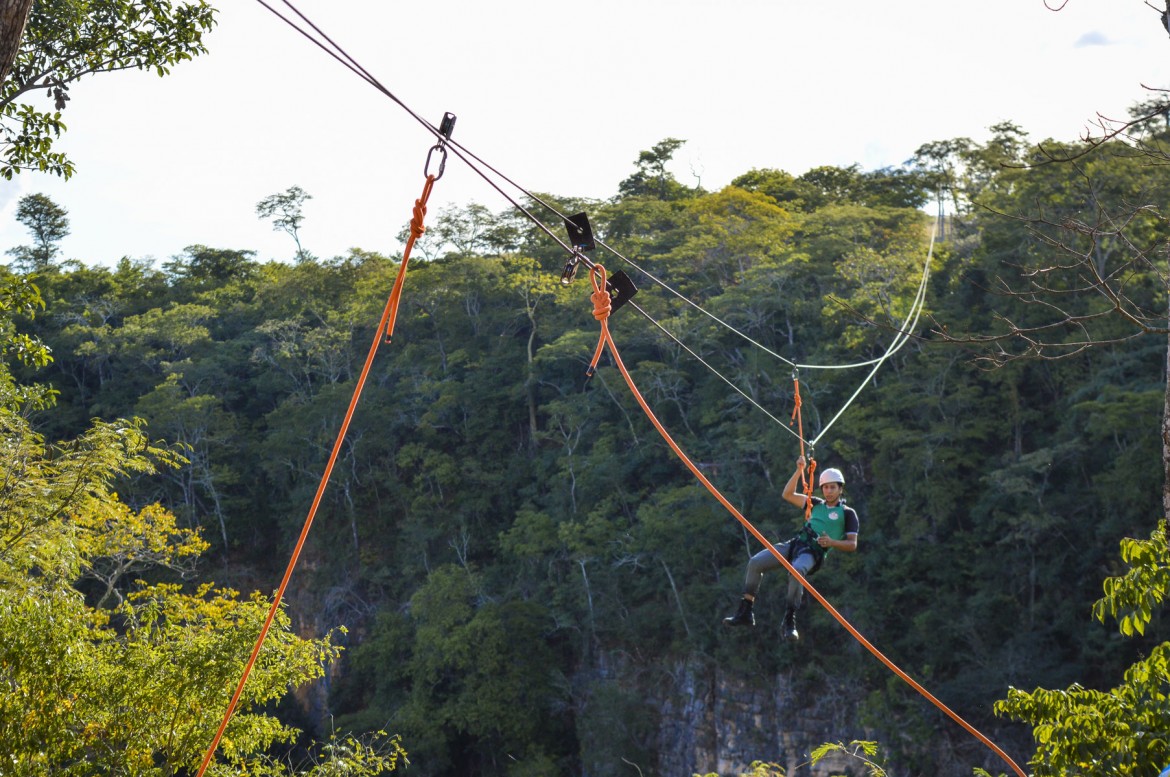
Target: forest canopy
[[515, 553]]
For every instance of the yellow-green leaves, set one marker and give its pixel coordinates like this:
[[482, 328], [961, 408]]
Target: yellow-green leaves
[[1121, 731], [138, 688], [1133, 598]]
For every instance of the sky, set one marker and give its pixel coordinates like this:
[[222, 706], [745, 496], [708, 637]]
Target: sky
[[561, 98]]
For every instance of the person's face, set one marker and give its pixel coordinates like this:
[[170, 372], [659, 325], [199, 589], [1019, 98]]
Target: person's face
[[831, 491]]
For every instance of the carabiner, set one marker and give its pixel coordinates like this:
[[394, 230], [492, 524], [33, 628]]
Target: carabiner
[[446, 127], [441, 147]]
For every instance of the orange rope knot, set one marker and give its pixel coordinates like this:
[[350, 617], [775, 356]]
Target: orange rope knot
[[416, 223], [420, 210], [600, 297], [601, 304], [601, 310]]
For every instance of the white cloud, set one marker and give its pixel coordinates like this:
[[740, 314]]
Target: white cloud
[[1094, 38]]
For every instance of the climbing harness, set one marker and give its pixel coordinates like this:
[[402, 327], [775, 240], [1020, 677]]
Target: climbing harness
[[806, 539], [385, 330]]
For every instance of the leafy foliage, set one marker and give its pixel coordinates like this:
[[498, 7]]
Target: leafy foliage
[[102, 672], [139, 687], [758, 769], [518, 556], [864, 752], [1121, 731], [48, 222], [1143, 590], [66, 40]]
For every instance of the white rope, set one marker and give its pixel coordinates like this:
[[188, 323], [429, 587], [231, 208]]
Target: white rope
[[900, 340]]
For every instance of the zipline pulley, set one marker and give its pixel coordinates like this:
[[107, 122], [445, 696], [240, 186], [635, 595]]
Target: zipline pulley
[[446, 127], [570, 271]]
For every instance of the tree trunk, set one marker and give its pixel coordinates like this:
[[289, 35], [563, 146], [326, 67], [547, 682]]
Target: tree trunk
[[529, 388], [1166, 439], [13, 18], [677, 599]]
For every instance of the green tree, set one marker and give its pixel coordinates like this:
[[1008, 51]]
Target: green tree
[[49, 224], [786, 189], [961, 170], [481, 674], [730, 231], [67, 40], [137, 688], [467, 231], [652, 179], [820, 186], [198, 423], [106, 664], [527, 501], [1078, 264], [1121, 731], [201, 268], [19, 299], [286, 212]]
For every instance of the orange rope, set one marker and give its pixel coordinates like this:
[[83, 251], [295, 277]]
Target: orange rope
[[601, 313], [807, 478], [809, 488], [796, 403], [389, 314]]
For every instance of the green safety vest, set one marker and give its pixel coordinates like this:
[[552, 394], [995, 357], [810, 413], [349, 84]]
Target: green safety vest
[[828, 520]]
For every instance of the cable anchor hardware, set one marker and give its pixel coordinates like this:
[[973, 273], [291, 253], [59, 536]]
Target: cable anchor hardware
[[446, 127], [581, 239], [621, 289]]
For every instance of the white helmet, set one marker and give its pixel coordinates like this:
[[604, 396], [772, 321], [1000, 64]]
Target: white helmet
[[831, 476]]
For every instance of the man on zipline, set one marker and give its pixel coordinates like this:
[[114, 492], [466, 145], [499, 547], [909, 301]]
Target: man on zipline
[[831, 524]]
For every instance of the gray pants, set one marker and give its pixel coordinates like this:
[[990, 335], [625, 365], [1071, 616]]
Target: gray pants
[[803, 560]]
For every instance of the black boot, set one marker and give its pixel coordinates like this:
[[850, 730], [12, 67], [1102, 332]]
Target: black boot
[[743, 616], [789, 630]]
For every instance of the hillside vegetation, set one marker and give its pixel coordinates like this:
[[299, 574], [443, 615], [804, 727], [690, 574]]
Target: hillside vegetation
[[517, 557]]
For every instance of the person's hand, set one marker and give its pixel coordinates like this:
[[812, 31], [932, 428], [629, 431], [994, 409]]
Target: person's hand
[[800, 463], [824, 541]]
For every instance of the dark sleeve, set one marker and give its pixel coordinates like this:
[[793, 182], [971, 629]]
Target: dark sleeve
[[851, 522]]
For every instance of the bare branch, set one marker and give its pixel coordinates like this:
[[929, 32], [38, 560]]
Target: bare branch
[[1094, 258], [1105, 129]]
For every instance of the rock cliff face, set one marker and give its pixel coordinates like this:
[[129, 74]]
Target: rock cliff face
[[712, 722]]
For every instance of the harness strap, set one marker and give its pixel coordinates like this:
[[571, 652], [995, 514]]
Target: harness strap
[[806, 540]]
